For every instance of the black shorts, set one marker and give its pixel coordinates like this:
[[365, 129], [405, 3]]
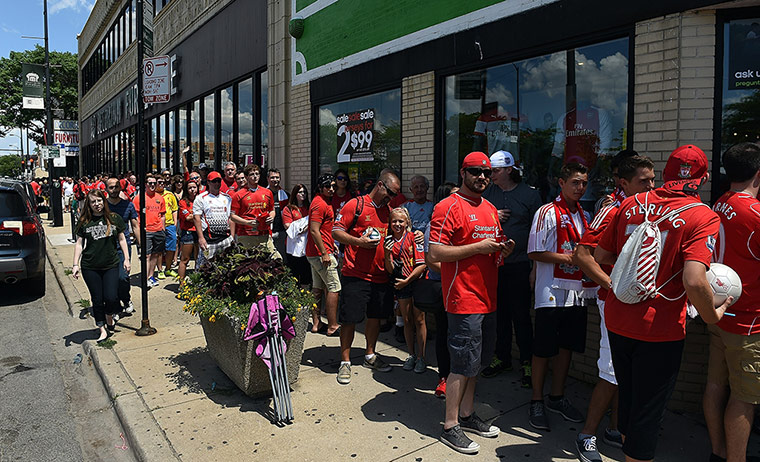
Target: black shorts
[[559, 327], [359, 297], [646, 373], [155, 242], [472, 341], [405, 292]]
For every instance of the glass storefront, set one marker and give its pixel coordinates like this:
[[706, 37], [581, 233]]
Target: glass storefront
[[361, 135], [226, 124], [208, 153], [245, 121], [545, 113]]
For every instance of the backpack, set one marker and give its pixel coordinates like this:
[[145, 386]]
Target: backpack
[[357, 213], [78, 192], [635, 272]]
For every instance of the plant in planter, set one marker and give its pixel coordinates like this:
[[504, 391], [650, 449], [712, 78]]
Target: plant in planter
[[221, 292]]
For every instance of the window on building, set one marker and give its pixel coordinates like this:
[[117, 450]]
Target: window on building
[[264, 124], [245, 121], [544, 113], [170, 140], [156, 142], [366, 138], [208, 130], [195, 131], [182, 140], [226, 127]]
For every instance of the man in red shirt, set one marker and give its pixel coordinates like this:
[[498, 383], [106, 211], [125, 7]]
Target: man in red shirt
[[155, 237], [635, 174], [320, 252], [228, 180], [647, 338], [465, 237], [360, 226], [733, 391], [253, 213]]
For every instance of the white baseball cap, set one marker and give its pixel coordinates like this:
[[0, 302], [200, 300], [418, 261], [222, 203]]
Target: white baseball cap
[[503, 159]]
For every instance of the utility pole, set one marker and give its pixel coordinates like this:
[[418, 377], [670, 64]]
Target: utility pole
[[56, 208]]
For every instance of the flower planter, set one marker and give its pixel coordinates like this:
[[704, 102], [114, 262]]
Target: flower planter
[[237, 358]]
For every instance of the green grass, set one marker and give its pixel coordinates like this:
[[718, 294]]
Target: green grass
[[68, 272], [83, 302], [107, 344]]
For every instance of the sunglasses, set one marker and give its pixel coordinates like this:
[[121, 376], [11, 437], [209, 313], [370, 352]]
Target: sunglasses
[[474, 171], [195, 178], [389, 191], [218, 180], [151, 183], [341, 178], [160, 182]]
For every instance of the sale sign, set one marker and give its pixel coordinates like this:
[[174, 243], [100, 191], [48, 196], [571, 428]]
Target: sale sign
[[355, 134]]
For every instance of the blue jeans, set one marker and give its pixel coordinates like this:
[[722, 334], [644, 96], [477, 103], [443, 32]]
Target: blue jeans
[[124, 284]]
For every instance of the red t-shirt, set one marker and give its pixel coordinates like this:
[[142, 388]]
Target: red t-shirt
[[690, 235], [407, 253], [339, 201], [321, 212], [99, 185], [185, 212], [289, 215], [155, 207], [469, 285], [228, 187], [593, 234], [740, 225], [251, 204], [367, 264], [36, 187]]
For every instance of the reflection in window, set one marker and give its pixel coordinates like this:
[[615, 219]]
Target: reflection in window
[[208, 130], [380, 132], [162, 143], [544, 114], [195, 131], [226, 127], [153, 137], [182, 140], [170, 142], [264, 85], [245, 121]]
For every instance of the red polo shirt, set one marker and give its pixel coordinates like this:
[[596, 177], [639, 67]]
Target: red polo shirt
[[253, 204]]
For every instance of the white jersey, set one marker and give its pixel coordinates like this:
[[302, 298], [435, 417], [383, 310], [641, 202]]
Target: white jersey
[[214, 212]]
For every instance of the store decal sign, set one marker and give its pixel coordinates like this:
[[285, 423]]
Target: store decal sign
[[355, 135], [66, 136], [743, 55]]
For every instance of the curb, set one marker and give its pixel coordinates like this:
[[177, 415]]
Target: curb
[[70, 292], [147, 438]]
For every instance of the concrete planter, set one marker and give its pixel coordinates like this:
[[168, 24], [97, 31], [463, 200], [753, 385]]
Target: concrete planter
[[237, 358]]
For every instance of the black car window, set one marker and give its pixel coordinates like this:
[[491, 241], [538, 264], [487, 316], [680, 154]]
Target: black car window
[[11, 204]]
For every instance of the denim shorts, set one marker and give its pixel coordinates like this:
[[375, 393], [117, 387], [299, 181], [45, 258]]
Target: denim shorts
[[187, 237], [472, 341]]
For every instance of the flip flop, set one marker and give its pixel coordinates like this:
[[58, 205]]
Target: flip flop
[[335, 333]]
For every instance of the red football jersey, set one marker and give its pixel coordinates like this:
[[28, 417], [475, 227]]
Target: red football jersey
[[253, 205], [689, 235], [740, 225], [407, 253], [469, 285], [367, 264], [593, 234], [321, 212]]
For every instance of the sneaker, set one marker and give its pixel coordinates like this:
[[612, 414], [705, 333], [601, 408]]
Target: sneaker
[[171, 273], [160, 275], [496, 367], [399, 335], [587, 449], [130, 308], [526, 380], [420, 366], [344, 374], [376, 364], [115, 318], [537, 416], [564, 408], [455, 438], [475, 424], [440, 390], [152, 282], [613, 438], [409, 363]]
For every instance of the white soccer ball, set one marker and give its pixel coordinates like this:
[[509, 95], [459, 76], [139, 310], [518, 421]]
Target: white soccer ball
[[724, 282]]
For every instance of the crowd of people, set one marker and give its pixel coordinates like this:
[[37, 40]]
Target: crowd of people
[[478, 258]]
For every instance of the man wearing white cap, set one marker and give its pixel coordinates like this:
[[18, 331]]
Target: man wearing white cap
[[516, 203]]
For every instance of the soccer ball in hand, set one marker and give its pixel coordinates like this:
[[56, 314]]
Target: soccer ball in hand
[[724, 282]]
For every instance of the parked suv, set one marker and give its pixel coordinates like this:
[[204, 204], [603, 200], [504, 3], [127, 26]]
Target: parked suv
[[22, 237]]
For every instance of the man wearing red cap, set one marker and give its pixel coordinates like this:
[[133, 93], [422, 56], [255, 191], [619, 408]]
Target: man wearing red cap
[[647, 338], [211, 214], [465, 237]]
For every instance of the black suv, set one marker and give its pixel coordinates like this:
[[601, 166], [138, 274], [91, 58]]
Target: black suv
[[22, 237]]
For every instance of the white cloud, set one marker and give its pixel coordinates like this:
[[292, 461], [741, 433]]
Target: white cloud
[[10, 30], [76, 5]]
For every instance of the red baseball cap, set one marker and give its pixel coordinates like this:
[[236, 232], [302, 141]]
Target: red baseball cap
[[476, 159], [686, 169], [213, 176]]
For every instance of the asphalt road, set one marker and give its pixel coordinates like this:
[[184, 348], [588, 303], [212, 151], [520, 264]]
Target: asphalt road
[[53, 405]]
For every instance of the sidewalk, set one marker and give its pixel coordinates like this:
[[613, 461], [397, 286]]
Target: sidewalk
[[176, 404]]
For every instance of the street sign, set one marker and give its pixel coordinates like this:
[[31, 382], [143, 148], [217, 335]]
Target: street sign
[[50, 152], [66, 136], [148, 28], [156, 81], [32, 86]]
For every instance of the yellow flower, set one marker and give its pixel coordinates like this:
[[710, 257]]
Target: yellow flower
[[314, 305], [242, 327], [293, 319], [212, 318], [298, 310]]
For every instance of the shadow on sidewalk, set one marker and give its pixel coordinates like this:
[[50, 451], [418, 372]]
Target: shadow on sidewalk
[[80, 336]]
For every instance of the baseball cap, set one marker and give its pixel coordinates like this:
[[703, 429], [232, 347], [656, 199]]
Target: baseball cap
[[202, 166], [213, 176], [686, 169], [503, 159], [476, 159]]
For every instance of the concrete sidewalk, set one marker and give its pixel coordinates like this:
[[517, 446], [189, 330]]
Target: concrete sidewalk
[[175, 403]]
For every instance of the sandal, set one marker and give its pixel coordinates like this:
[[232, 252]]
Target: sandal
[[335, 333]]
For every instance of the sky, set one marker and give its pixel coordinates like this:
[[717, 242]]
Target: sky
[[66, 18]]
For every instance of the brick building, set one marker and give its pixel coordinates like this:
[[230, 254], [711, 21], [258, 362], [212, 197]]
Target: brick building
[[312, 85]]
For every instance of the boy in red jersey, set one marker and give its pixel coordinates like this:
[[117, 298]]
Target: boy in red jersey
[[647, 338], [465, 237], [253, 213], [733, 391]]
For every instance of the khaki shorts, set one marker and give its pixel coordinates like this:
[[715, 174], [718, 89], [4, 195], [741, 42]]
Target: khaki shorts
[[265, 240], [735, 361], [322, 277]]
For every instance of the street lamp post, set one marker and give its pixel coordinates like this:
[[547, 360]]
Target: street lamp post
[[56, 208]]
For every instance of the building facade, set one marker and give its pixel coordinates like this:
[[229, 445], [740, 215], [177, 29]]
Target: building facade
[[310, 86]]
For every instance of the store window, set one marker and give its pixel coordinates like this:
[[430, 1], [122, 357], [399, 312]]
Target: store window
[[195, 131], [361, 135], [245, 121], [544, 113], [741, 90], [154, 141], [226, 129], [264, 124], [208, 124], [170, 141]]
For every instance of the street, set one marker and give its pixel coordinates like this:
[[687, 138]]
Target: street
[[54, 405]]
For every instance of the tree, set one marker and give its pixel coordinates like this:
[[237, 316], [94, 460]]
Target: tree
[[741, 119], [63, 91], [10, 165]]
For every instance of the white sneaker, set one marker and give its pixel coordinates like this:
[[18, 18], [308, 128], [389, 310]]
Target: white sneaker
[[115, 318], [130, 308]]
